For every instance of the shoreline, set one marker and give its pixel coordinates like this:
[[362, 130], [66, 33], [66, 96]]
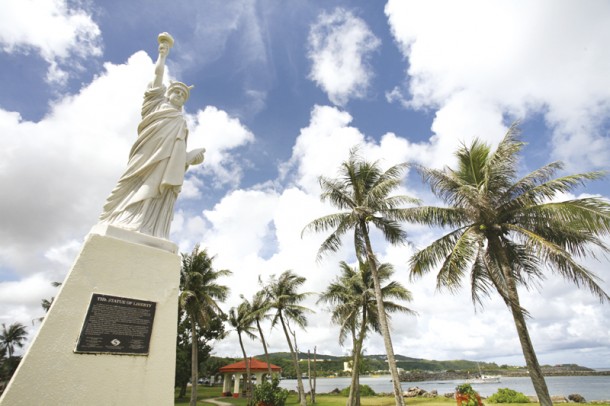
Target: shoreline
[[441, 376]]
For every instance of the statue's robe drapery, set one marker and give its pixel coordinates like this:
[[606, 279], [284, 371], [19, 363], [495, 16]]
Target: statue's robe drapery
[[143, 199]]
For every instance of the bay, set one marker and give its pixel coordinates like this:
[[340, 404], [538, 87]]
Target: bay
[[590, 387]]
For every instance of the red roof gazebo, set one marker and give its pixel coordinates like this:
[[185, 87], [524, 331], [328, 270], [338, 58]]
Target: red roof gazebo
[[258, 368]]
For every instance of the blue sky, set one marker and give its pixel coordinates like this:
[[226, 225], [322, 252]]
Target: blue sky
[[282, 91]]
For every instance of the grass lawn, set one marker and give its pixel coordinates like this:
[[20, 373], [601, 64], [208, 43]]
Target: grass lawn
[[206, 392]]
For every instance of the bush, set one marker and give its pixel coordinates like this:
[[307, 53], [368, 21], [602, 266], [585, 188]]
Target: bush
[[469, 396], [270, 393], [365, 390], [505, 395]]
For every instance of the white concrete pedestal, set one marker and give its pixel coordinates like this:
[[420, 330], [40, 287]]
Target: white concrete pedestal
[[112, 262]]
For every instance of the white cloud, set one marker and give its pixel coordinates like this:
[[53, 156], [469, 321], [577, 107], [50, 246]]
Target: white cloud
[[340, 46], [219, 133], [57, 172], [58, 32], [479, 63], [322, 145]]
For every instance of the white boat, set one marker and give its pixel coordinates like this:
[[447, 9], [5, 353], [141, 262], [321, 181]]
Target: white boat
[[485, 379], [482, 378]]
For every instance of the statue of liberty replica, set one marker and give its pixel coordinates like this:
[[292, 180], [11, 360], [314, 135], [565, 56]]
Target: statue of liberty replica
[[144, 197]]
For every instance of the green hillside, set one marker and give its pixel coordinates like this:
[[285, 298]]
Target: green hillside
[[414, 368]]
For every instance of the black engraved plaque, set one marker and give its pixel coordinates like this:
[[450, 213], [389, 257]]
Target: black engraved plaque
[[117, 325]]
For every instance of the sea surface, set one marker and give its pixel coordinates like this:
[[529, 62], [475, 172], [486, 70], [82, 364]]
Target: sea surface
[[590, 387]]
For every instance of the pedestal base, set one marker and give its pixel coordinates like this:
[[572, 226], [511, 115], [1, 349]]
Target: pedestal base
[[51, 373]]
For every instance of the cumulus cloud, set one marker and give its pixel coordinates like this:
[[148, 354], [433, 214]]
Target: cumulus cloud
[[59, 32], [340, 47], [219, 133], [480, 64]]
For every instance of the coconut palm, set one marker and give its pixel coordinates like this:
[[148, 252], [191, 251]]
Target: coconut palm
[[354, 309], [11, 337], [259, 311], [284, 298], [362, 192], [199, 297], [241, 321], [507, 231]]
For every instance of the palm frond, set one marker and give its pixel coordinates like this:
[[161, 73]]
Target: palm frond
[[424, 260], [562, 262], [457, 261], [436, 216]]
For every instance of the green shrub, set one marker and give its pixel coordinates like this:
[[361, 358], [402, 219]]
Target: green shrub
[[472, 395], [269, 393], [505, 395], [365, 390]]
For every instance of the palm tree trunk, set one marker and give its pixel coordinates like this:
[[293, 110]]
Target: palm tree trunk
[[194, 362], [355, 389], [260, 331], [383, 322], [295, 360], [315, 374], [527, 347], [359, 342], [248, 381], [352, 389], [312, 388]]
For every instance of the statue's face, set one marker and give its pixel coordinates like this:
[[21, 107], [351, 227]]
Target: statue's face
[[177, 97]]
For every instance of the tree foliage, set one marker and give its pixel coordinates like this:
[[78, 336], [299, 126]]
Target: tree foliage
[[284, 298], [12, 337], [506, 231], [200, 294]]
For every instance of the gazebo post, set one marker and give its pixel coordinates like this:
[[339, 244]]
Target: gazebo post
[[236, 386], [226, 385]]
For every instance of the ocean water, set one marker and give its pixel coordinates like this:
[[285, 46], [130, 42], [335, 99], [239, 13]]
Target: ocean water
[[590, 387]]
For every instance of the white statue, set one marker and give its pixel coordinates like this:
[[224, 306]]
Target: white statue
[[143, 199]]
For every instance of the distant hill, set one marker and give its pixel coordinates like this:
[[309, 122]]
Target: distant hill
[[413, 369], [333, 363]]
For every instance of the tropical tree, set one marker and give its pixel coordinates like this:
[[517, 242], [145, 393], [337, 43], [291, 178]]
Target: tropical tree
[[199, 297], [362, 193], [259, 311], [507, 230], [11, 337], [241, 321], [283, 296], [354, 309]]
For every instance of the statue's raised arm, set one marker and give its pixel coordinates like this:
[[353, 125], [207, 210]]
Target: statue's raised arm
[[165, 41], [143, 199]]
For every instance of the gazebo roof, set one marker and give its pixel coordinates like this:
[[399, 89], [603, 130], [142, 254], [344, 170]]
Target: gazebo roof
[[255, 366]]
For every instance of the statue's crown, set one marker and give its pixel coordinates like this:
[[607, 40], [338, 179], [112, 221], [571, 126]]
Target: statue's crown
[[182, 86]]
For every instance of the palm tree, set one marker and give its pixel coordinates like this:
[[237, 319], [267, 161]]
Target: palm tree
[[199, 297], [259, 308], [507, 230], [352, 296], [283, 296], [11, 337], [362, 192], [241, 321]]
